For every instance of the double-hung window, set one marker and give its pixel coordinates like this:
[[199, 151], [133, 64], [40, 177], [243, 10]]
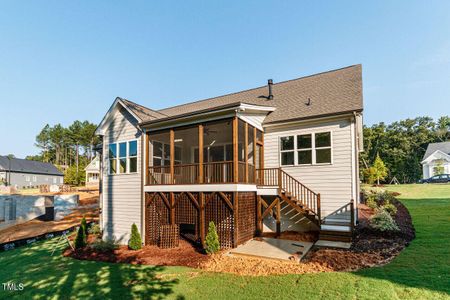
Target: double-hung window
[[123, 157], [305, 149]]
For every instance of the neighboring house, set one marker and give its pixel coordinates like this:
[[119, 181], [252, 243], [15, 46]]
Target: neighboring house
[[436, 159], [93, 172], [278, 157], [23, 173]]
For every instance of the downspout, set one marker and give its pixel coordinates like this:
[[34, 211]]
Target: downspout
[[356, 162]]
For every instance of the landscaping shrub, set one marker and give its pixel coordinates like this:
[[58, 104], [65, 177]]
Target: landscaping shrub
[[390, 208], [371, 202], [107, 245], [383, 221], [84, 226], [212, 239], [135, 242], [95, 229], [80, 239]]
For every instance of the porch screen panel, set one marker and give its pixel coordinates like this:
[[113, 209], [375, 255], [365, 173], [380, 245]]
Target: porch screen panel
[[159, 157], [186, 155]]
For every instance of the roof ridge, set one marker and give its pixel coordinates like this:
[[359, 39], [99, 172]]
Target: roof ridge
[[251, 89], [140, 105]]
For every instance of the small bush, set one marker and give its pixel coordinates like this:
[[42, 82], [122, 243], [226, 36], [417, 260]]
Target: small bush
[[383, 221], [371, 202], [95, 229], [135, 242], [84, 226], [212, 239], [390, 208], [107, 245], [80, 239]]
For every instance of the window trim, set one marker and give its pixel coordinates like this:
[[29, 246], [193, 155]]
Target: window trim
[[312, 149], [127, 157]]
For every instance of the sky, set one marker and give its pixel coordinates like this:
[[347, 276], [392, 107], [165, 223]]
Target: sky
[[66, 60]]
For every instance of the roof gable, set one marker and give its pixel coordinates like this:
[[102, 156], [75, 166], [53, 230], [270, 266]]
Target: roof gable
[[28, 166], [433, 147]]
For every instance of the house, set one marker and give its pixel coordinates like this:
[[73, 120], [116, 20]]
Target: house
[[23, 173], [93, 172], [436, 159], [283, 156]]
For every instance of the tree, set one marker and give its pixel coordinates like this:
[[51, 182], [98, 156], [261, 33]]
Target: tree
[[80, 239], [84, 226], [380, 170], [135, 242], [212, 244]]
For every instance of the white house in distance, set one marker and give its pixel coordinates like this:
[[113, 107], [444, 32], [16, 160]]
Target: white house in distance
[[437, 156], [93, 172], [282, 156]]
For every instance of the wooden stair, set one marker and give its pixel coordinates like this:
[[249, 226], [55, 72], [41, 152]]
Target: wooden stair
[[336, 230]]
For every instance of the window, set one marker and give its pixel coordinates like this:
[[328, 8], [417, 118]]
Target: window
[[34, 178], [112, 154], [306, 149], [27, 178], [123, 157], [61, 180], [54, 180], [323, 147], [287, 150], [132, 154]]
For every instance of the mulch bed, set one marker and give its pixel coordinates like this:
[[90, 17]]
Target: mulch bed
[[369, 248], [184, 255]]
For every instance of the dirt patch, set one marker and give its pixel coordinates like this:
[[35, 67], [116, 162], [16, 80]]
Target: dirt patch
[[184, 255], [310, 236]]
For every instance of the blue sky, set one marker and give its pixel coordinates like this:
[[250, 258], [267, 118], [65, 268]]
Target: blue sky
[[67, 60]]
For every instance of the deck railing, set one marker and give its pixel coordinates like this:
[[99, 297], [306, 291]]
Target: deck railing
[[213, 172], [276, 177]]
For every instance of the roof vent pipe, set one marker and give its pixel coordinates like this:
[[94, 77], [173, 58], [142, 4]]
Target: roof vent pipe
[[270, 83]]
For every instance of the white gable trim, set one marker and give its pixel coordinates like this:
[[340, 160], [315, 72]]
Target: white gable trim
[[438, 154], [109, 115]]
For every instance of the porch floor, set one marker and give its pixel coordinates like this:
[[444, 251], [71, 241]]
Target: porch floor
[[273, 249]]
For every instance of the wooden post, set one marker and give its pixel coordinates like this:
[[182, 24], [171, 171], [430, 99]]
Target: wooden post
[[278, 217], [246, 151], [352, 214], [201, 204], [254, 152], [319, 214], [172, 156], [200, 153], [235, 150], [172, 208], [236, 219], [262, 150], [259, 224], [147, 170]]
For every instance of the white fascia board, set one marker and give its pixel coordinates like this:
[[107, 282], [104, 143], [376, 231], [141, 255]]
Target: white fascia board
[[201, 188], [434, 155], [107, 118], [256, 108]]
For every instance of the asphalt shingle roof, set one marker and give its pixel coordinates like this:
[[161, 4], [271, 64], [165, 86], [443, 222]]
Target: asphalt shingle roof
[[433, 147], [28, 166], [328, 93]]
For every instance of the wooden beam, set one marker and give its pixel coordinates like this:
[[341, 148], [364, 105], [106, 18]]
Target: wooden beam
[[200, 153], [172, 155], [235, 150], [278, 217], [172, 208], [254, 150], [246, 151], [259, 224], [192, 198], [236, 219], [149, 199], [227, 201], [147, 171], [262, 150], [166, 201], [269, 209], [201, 200]]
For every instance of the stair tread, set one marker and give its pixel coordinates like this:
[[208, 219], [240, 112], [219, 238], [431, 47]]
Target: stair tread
[[340, 228]]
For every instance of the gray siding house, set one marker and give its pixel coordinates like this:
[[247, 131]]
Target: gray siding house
[[283, 156], [23, 173]]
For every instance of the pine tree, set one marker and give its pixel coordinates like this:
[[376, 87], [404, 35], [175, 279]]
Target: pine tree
[[80, 240], [84, 226], [135, 242], [212, 239]]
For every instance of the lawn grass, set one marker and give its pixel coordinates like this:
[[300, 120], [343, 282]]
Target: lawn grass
[[421, 271]]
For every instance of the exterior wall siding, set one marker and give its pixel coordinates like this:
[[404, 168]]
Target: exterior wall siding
[[333, 181], [121, 198], [26, 180]]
